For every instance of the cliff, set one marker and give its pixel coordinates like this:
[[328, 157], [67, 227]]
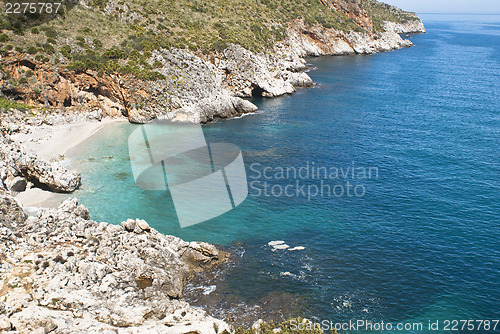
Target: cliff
[[193, 61]]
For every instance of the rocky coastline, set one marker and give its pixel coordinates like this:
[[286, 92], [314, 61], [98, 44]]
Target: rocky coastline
[[61, 272]]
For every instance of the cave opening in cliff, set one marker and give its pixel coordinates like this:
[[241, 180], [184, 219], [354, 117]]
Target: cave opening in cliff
[[257, 91], [26, 63], [67, 102]]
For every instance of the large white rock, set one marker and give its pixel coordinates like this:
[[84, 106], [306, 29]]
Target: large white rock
[[21, 163]]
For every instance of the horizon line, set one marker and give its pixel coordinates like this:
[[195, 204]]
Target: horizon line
[[460, 13]]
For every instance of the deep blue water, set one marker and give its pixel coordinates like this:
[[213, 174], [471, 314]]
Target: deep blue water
[[423, 243]]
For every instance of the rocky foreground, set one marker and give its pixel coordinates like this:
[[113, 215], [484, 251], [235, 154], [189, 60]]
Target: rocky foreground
[[64, 273]]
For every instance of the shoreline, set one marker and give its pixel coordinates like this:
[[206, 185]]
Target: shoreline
[[52, 143]]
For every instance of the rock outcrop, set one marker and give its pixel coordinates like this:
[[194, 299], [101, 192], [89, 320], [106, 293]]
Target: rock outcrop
[[318, 41], [20, 169], [248, 74], [11, 212], [410, 27], [64, 273]]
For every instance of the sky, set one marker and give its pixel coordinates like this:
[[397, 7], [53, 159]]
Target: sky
[[448, 6]]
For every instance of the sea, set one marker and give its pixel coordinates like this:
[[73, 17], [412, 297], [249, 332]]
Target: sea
[[373, 196]]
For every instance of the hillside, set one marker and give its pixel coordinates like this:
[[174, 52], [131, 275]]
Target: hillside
[[126, 52]]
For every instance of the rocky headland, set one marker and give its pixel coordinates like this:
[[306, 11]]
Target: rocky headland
[[191, 84]]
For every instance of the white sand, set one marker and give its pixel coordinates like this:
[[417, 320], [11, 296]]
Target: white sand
[[53, 143], [37, 198]]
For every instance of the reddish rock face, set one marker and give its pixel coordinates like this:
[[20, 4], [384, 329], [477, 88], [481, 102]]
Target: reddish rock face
[[50, 86], [354, 11]]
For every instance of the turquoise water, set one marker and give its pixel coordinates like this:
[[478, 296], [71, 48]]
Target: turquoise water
[[422, 243]]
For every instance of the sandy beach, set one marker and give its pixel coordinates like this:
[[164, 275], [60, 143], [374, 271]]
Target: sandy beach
[[53, 143]]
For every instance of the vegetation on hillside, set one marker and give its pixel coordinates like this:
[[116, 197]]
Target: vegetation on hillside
[[6, 104], [110, 36], [286, 327], [380, 12]]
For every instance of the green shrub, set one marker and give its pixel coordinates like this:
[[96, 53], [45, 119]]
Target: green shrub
[[4, 38], [9, 104], [97, 43], [50, 32], [101, 4], [35, 30], [32, 50], [219, 45], [134, 54], [48, 49], [114, 53], [80, 41], [51, 41], [84, 65], [150, 75], [65, 51]]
